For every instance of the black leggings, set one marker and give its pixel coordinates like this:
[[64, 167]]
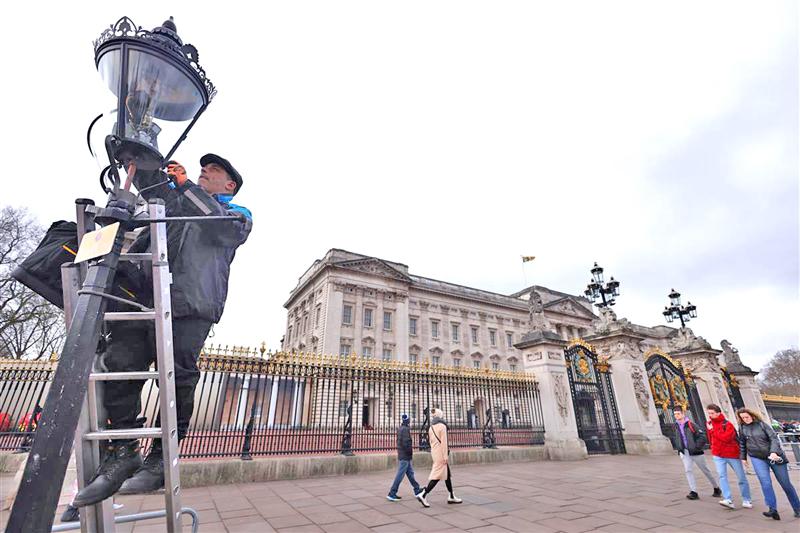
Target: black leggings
[[447, 483]]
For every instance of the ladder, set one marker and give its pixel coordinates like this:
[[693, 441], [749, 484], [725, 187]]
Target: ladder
[[90, 432]]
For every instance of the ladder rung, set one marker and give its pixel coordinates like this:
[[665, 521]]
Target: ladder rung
[[136, 315], [114, 376], [135, 433], [136, 257]]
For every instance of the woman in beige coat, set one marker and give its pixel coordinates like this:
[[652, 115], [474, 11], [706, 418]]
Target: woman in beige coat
[[437, 436]]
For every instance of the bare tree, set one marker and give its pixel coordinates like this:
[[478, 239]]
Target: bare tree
[[30, 327], [782, 374]]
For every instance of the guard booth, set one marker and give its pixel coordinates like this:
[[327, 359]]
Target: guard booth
[[672, 386], [593, 398]]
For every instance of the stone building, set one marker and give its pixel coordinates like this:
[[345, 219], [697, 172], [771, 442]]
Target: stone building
[[608, 385]]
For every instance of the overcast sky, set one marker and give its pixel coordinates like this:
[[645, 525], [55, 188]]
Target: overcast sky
[[660, 141]]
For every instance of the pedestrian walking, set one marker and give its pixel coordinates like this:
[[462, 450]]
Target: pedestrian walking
[[724, 441], [690, 442], [405, 454], [758, 441], [437, 435]]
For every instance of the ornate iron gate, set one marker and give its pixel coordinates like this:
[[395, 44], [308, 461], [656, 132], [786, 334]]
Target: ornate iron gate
[[672, 386], [732, 386], [593, 398]]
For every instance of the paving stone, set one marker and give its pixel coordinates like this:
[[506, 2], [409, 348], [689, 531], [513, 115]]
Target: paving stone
[[371, 518], [280, 522], [461, 520], [326, 517]]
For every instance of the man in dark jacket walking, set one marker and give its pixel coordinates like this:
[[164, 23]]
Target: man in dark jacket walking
[[405, 452], [689, 441], [200, 255]]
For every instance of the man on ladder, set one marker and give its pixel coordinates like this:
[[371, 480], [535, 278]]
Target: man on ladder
[[200, 255]]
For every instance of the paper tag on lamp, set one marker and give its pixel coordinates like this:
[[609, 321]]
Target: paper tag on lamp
[[97, 243]]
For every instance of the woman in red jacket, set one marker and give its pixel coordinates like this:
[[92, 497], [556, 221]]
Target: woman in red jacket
[[724, 442]]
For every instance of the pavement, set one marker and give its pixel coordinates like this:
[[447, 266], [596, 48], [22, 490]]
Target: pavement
[[604, 493]]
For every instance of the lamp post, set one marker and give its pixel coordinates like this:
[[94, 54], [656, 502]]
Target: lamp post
[[160, 92], [601, 293], [677, 311]]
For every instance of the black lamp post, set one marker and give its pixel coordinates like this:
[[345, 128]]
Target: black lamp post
[[598, 289], [160, 88], [161, 91], [677, 311]]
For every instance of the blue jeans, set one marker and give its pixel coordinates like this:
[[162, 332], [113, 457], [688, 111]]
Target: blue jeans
[[404, 468], [722, 469], [762, 468]]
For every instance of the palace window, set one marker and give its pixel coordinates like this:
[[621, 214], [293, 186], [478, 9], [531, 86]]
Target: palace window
[[412, 358], [457, 362], [289, 335], [435, 329], [495, 366], [412, 326], [367, 352], [474, 334], [347, 315], [387, 354], [512, 367], [316, 316], [436, 360], [493, 337], [454, 330], [476, 364], [345, 350], [343, 408], [510, 339], [387, 321], [367, 317]]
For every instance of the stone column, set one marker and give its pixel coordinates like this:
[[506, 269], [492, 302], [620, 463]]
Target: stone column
[[543, 354], [703, 363], [401, 328], [744, 377], [637, 411], [333, 320]]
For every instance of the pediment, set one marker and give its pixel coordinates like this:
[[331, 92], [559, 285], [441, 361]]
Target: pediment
[[368, 340], [569, 306], [415, 348], [495, 357], [436, 350], [374, 266], [476, 355], [456, 352]]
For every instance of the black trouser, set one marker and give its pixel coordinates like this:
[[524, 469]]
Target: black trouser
[[447, 483], [133, 348]]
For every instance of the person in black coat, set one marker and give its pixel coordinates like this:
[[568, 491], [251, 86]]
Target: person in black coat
[[759, 443], [405, 453], [690, 442], [200, 254]]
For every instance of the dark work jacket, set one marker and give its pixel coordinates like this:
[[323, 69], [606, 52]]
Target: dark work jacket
[[200, 253], [695, 439], [758, 440], [405, 448]]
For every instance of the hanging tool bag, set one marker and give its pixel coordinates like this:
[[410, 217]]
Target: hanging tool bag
[[41, 271]]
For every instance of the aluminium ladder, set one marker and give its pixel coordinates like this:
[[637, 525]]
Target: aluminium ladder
[[99, 518]]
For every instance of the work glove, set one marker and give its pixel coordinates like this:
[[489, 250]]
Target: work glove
[[176, 173]]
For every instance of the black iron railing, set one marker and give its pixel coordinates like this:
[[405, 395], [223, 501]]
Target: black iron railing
[[249, 404]]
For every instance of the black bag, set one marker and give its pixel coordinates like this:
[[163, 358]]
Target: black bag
[[41, 271]]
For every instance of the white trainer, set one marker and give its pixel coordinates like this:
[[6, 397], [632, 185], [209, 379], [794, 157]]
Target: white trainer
[[727, 503], [421, 497], [747, 504], [454, 499]]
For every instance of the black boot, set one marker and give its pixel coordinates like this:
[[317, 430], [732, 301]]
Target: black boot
[[149, 478], [717, 493], [692, 495], [772, 513], [120, 462], [71, 514]]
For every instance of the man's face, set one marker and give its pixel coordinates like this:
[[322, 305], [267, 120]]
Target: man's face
[[678, 415], [214, 180], [712, 414]]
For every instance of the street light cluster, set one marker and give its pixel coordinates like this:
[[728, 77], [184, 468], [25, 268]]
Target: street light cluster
[[603, 295]]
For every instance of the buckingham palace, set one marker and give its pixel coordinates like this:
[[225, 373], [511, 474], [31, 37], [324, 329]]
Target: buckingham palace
[[607, 385]]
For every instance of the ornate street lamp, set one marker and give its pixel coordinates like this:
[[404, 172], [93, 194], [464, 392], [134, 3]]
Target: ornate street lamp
[[677, 311], [596, 290], [160, 89]]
